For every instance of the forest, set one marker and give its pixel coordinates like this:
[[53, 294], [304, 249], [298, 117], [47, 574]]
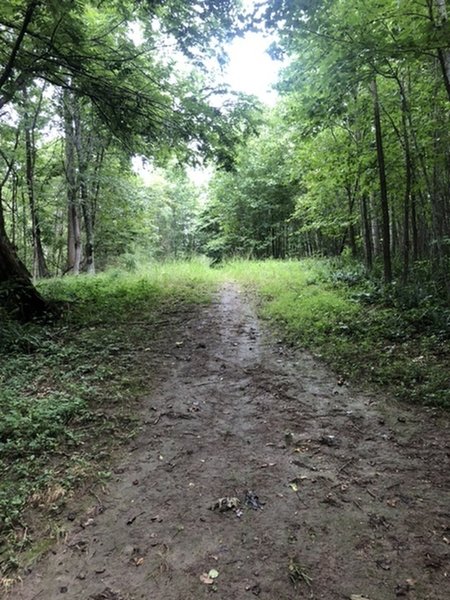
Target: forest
[[329, 211], [352, 161]]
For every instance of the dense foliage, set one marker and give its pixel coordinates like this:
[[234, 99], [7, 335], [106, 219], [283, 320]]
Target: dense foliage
[[355, 156], [85, 88], [353, 159]]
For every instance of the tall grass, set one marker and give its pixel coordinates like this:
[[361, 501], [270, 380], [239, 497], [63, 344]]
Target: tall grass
[[118, 293], [295, 295]]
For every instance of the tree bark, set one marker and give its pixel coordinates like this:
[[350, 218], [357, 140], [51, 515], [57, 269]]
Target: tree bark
[[368, 244], [73, 221], [383, 186], [443, 53], [17, 293], [39, 264], [408, 181], [351, 197], [81, 146]]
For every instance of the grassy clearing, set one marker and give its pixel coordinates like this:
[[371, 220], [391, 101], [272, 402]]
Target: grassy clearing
[[68, 390], [396, 340]]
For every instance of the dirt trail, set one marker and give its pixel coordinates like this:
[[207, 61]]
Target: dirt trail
[[355, 492]]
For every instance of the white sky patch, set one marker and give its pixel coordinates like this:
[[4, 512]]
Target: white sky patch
[[136, 33], [142, 167], [199, 176], [251, 70]]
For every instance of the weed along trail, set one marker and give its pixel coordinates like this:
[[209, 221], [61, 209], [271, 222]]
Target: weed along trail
[[257, 475]]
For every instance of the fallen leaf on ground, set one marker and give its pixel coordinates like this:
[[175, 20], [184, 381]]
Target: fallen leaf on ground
[[204, 578], [88, 523], [213, 574]]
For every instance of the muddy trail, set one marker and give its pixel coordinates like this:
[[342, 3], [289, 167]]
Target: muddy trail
[[341, 495]]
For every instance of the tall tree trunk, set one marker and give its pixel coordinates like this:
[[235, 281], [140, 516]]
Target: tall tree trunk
[[383, 186], [73, 220], [351, 228], [408, 182], [81, 146], [368, 244], [414, 229], [39, 264], [443, 53], [89, 230], [14, 212]]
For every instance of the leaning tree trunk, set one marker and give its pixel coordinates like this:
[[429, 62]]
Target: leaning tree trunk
[[17, 292]]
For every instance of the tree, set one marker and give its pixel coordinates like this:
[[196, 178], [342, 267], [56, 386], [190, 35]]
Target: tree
[[251, 204], [84, 48], [30, 125], [339, 49]]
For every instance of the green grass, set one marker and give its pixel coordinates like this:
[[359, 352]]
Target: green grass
[[367, 335], [118, 293], [68, 390]]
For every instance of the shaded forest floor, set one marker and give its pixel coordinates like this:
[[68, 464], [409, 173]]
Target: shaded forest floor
[[340, 494]]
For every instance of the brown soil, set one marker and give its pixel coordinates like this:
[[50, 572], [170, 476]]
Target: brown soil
[[355, 490]]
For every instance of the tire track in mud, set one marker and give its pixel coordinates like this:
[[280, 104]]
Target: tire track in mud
[[355, 490]]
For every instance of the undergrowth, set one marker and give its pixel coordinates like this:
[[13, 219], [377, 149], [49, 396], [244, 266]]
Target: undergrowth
[[68, 389], [395, 337]]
